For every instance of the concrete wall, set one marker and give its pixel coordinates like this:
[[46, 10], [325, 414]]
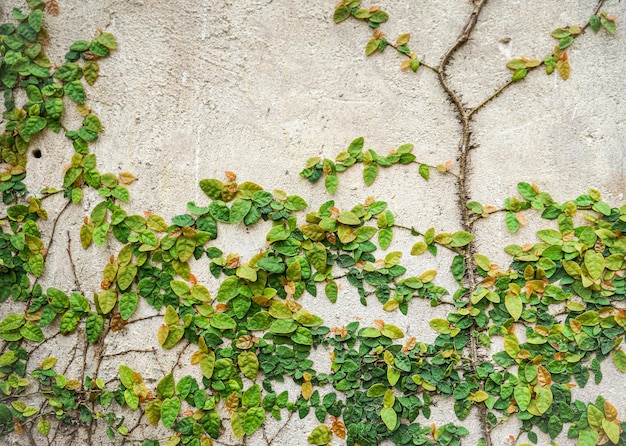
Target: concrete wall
[[259, 86]]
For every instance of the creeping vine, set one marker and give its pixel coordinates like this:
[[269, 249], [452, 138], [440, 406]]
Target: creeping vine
[[554, 310]]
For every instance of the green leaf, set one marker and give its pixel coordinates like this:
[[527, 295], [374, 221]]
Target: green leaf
[[370, 48], [379, 16], [385, 237], [376, 390], [207, 364], [302, 336], [619, 359], [239, 209], [126, 275], [12, 322], [461, 238], [100, 234], [332, 290], [75, 91], [253, 419], [522, 396], [31, 126], [106, 300], [341, 13], [35, 19], [212, 188], [440, 325], [511, 221], [91, 70], [153, 411], [317, 256], [185, 248], [94, 326], [609, 25], [43, 426], [519, 74], [283, 326], [320, 436], [594, 23], [237, 423], [252, 396], [370, 172], [228, 289], [127, 376], [543, 399], [612, 430], [594, 262], [249, 365], [32, 332], [260, 321], [356, 146], [331, 182], [513, 304], [555, 426], [295, 203], [389, 417], [587, 437], [169, 411], [166, 387], [108, 40], [222, 321], [392, 332], [69, 322], [565, 42], [175, 333]]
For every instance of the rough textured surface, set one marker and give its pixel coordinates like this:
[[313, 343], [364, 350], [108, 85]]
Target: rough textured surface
[[259, 86]]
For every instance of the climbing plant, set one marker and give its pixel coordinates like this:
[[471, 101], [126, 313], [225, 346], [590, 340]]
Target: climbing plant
[[553, 314]]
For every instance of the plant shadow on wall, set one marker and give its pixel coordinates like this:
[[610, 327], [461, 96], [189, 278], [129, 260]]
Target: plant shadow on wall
[[554, 309]]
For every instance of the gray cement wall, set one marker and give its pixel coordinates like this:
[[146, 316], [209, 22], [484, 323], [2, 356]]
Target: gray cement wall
[[259, 86]]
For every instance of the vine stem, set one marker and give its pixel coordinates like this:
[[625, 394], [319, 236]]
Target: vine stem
[[464, 116]]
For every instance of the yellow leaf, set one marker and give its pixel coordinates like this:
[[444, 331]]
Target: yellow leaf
[[563, 68], [479, 396], [405, 64], [428, 276], [164, 330], [307, 390], [403, 39], [391, 305]]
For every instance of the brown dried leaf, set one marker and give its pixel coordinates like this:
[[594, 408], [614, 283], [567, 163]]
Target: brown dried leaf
[[52, 7], [117, 323], [409, 345], [339, 429], [127, 178], [610, 412], [543, 376], [232, 402]]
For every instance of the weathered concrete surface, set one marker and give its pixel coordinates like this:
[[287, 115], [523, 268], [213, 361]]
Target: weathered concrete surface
[[259, 86]]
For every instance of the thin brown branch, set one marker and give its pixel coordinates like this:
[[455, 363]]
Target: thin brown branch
[[72, 265]]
